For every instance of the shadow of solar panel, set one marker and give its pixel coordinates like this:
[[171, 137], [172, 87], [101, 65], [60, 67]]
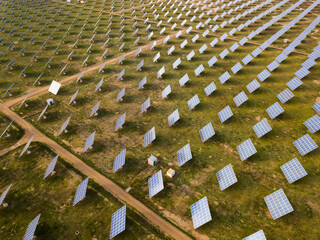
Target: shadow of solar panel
[[200, 213], [293, 170], [193, 102], [155, 184], [206, 132], [184, 155], [4, 194], [173, 117], [118, 222], [294, 83], [51, 166], [262, 128], [313, 124], [119, 160], [149, 137], [81, 191], [278, 204], [246, 149], [285, 95], [274, 110], [226, 177], [305, 144], [256, 236], [225, 114], [252, 86], [240, 99], [31, 228]]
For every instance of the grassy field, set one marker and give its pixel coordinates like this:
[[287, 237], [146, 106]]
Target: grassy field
[[239, 210], [15, 132], [53, 198]]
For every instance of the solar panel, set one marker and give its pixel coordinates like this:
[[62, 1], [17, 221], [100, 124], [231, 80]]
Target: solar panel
[[278, 204], [246, 149], [224, 53], [161, 72], [313, 124], [272, 66], [240, 99], [226, 177], [140, 65], [256, 52], [293, 170], [170, 51], [121, 74], [31, 228], [243, 41], [6, 130], [280, 58], [89, 142], [203, 48], [256, 236], [95, 109], [210, 88], [184, 155], [224, 77], [165, 92], [120, 122], [81, 191], [155, 184], [51, 166], [149, 137], [98, 87], [4, 194], [214, 42], [234, 47], [145, 106], [156, 57], [118, 222], [294, 83], [206, 132], [183, 44], [200, 213], [301, 73], [173, 117], [42, 114], [305, 144], [190, 55], [247, 59], [184, 80], [262, 128], [142, 83], [225, 114], [54, 87], [176, 63], [199, 70], [316, 107], [263, 75], [72, 100], [252, 86], [193, 102], [285, 95], [236, 68], [212, 61], [119, 160], [121, 94], [274, 110], [26, 147]]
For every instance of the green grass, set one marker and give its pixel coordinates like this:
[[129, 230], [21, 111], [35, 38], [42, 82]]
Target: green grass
[[53, 198]]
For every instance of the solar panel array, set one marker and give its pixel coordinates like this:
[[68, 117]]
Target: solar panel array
[[149, 137], [256, 236], [31, 228], [200, 213], [305, 144], [155, 184], [262, 128], [226, 177], [246, 149], [225, 114], [81, 191], [313, 124], [293, 170], [278, 204], [118, 222], [206, 132], [119, 160], [184, 155]]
